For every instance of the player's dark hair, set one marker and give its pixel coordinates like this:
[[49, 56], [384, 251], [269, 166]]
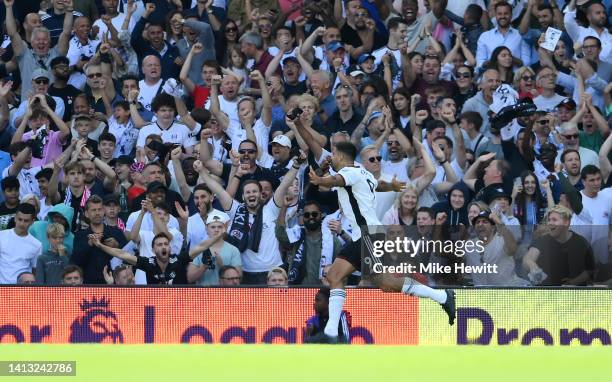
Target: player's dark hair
[[94, 199], [9, 183], [347, 148], [395, 22], [71, 268], [163, 100], [598, 41], [159, 236], [503, 4], [45, 173], [107, 137], [248, 141], [125, 105], [128, 77], [17, 147], [589, 169], [473, 118], [202, 187], [226, 268], [433, 124], [213, 64], [312, 202], [448, 141], [251, 181], [27, 209], [427, 210]]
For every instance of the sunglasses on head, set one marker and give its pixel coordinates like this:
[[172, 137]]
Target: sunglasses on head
[[94, 75], [247, 151], [308, 215], [571, 136], [375, 159], [41, 81]]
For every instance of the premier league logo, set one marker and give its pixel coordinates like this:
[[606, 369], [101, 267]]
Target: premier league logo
[[98, 324]]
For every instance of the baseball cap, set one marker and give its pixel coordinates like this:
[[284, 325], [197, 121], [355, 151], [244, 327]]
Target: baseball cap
[[110, 199], [363, 58], [217, 216], [40, 73], [568, 103], [334, 46], [155, 186], [356, 73], [282, 140], [483, 215], [290, 58], [497, 193]]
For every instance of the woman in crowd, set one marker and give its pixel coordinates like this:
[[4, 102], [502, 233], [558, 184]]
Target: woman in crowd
[[502, 60], [404, 209]]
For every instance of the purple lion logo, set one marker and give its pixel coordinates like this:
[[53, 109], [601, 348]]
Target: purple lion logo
[[97, 324]]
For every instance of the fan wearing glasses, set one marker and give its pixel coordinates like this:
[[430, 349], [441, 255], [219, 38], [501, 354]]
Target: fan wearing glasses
[[41, 53], [40, 86], [570, 139]]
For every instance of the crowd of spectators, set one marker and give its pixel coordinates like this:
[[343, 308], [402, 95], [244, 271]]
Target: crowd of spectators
[[171, 141]]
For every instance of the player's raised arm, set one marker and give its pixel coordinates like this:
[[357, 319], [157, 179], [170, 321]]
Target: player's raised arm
[[115, 252], [326, 181]]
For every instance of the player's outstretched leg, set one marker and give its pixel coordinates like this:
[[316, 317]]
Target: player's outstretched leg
[[336, 274], [446, 297], [408, 285]]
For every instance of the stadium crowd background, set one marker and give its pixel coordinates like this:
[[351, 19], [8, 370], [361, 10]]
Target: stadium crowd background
[[159, 142]]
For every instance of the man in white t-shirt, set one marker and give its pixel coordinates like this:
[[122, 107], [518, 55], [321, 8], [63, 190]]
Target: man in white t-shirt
[[18, 249], [599, 206], [21, 155], [165, 126], [152, 83], [228, 101], [196, 224], [253, 225]]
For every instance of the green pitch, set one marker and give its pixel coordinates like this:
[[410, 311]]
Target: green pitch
[[177, 363]]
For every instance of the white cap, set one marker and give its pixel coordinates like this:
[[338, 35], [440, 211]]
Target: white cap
[[217, 216], [282, 140], [356, 73]]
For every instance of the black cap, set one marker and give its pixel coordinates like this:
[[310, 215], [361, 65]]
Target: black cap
[[110, 199], [497, 193], [567, 103], [155, 186], [483, 215]]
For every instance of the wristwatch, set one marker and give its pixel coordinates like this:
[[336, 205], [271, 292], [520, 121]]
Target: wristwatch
[[209, 11]]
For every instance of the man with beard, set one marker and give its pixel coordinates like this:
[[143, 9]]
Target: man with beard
[[196, 224], [252, 229], [279, 162], [417, 25], [494, 245], [39, 56], [359, 31], [503, 35], [164, 268], [560, 257], [311, 247], [596, 15], [571, 164], [60, 87], [86, 254]]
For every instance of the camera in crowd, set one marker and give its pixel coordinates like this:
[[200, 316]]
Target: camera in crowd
[[37, 144], [295, 113]]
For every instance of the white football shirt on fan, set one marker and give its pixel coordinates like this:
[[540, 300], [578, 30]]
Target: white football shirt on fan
[[358, 199]]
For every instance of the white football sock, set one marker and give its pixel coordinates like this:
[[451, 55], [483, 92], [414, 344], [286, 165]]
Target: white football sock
[[336, 301], [415, 288]]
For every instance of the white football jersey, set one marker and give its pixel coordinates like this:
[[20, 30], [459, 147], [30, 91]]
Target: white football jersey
[[358, 198]]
